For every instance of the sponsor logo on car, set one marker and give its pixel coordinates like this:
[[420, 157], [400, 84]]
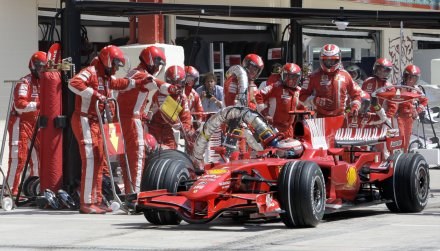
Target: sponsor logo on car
[[217, 171], [351, 176]]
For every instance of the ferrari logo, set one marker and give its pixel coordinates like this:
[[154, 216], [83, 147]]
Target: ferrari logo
[[351, 176], [113, 135], [114, 139]]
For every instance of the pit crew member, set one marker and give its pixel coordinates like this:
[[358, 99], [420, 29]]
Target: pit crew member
[[330, 86], [91, 84], [282, 97], [24, 114]]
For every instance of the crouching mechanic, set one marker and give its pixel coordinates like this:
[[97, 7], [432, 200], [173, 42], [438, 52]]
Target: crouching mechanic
[[161, 126], [409, 111], [24, 114], [282, 96], [91, 84], [330, 86]]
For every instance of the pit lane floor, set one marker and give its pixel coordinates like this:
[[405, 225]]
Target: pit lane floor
[[365, 228]]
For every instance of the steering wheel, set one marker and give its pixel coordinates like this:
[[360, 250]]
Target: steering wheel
[[397, 93]]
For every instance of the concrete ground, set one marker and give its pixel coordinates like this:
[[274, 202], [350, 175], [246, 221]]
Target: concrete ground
[[365, 228]]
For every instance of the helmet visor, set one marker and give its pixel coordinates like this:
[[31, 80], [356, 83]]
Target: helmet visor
[[253, 71], [39, 66], [330, 62], [157, 67], [291, 80], [191, 80], [383, 72], [123, 64], [158, 61], [354, 74], [411, 80]]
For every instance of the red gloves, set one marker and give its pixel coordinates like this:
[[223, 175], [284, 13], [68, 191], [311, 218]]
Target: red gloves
[[99, 96], [172, 89], [354, 110], [323, 102], [146, 84]]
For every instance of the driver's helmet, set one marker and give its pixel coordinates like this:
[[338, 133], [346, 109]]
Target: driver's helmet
[[291, 75], [153, 58], [290, 148], [65, 199], [37, 63], [355, 72], [253, 64], [175, 75], [382, 68], [111, 57], [411, 75], [330, 58], [192, 76], [51, 199]]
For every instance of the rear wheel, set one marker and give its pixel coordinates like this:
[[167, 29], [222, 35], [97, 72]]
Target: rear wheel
[[301, 193], [164, 172], [409, 187]]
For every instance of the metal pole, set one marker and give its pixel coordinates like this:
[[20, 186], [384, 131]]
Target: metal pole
[[5, 131], [296, 37], [71, 41], [399, 80]]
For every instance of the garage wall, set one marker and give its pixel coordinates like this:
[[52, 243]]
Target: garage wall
[[18, 25], [422, 58]]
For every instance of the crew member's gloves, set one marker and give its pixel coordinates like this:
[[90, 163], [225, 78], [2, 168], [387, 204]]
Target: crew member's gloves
[[323, 102], [422, 115], [354, 110], [414, 113], [269, 119], [375, 104], [99, 96], [146, 84], [174, 90]]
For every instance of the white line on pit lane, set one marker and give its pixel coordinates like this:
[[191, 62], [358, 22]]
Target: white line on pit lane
[[66, 218], [414, 225]]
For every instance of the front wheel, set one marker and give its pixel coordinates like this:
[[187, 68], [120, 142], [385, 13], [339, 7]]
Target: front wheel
[[162, 172], [409, 187], [301, 193]]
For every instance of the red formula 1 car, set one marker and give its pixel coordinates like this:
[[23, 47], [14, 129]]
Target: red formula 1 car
[[325, 169]]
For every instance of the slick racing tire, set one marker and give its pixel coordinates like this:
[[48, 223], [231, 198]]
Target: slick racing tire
[[35, 187], [169, 154], [164, 173], [27, 185], [301, 193], [408, 189]]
